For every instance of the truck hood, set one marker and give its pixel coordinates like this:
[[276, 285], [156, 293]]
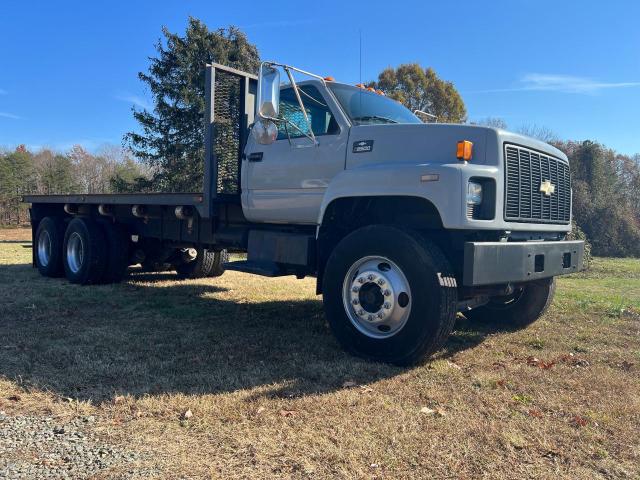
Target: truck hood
[[433, 143]]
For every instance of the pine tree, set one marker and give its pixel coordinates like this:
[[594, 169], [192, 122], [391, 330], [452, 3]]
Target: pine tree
[[171, 140]]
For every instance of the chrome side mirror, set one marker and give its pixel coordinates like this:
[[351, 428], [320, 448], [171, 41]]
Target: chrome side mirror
[[268, 92]]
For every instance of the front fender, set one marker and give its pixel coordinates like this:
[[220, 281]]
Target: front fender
[[399, 179]]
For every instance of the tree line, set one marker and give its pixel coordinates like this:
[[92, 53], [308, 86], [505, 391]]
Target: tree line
[[169, 143], [23, 172]]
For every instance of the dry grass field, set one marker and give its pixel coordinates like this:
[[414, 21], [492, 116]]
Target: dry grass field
[[239, 377]]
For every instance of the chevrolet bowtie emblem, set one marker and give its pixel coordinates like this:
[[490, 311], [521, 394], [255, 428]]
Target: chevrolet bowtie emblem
[[547, 188]]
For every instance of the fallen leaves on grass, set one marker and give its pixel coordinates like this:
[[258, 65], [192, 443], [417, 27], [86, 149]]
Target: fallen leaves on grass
[[187, 415], [437, 412], [535, 412], [579, 421], [569, 358], [288, 413], [536, 362], [573, 360], [14, 398]]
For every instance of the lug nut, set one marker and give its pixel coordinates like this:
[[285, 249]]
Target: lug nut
[[380, 314], [387, 305], [361, 280], [386, 293], [370, 318], [381, 281], [355, 301], [371, 276], [360, 312], [355, 289]]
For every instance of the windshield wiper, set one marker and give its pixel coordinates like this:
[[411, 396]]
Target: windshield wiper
[[374, 117]]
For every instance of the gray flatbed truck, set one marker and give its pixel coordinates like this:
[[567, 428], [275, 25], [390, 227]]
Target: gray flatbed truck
[[403, 224]]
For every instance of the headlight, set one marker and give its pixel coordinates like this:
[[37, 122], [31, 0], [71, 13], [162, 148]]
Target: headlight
[[474, 193]]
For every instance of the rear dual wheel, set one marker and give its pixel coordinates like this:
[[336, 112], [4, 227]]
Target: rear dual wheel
[[48, 247], [118, 252], [86, 251], [200, 263]]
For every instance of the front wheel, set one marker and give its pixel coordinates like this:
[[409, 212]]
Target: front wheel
[[523, 307], [389, 294]]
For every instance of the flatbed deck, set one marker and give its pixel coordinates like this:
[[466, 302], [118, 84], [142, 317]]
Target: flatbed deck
[[170, 199]]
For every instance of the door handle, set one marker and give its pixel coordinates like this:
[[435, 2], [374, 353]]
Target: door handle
[[255, 157]]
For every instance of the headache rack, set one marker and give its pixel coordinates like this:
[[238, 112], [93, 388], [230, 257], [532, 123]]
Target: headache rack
[[230, 96], [525, 172]]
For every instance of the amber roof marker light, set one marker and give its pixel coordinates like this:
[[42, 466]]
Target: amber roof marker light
[[464, 151]]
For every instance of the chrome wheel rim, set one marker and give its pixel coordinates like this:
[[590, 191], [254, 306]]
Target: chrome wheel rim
[[377, 297], [44, 248], [75, 252]]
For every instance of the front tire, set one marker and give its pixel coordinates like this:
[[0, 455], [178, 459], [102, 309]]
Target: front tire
[[389, 294], [520, 309]]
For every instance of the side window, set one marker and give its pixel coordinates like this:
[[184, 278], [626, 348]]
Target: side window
[[321, 119]]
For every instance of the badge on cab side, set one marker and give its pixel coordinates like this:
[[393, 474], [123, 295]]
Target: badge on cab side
[[362, 146]]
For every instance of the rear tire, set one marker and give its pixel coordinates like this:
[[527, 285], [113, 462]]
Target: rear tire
[[118, 252], [389, 294], [85, 252], [220, 258], [207, 263], [520, 309], [48, 247]]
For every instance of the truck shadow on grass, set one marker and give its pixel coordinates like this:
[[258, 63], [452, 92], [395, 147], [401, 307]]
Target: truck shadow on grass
[[146, 337]]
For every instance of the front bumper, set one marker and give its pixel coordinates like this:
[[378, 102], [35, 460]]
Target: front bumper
[[490, 263]]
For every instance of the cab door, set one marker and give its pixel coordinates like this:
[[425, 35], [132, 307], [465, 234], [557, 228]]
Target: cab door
[[284, 182]]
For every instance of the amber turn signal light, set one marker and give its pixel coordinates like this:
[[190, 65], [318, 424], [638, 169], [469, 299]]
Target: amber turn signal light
[[465, 150], [329, 79]]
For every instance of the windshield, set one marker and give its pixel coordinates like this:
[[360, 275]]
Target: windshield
[[369, 108]]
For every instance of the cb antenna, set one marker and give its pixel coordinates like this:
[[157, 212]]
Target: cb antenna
[[360, 32], [361, 85]]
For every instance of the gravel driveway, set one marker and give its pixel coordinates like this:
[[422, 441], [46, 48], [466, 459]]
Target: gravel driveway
[[46, 448]]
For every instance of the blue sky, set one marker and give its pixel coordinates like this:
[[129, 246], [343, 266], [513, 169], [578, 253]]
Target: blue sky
[[68, 69]]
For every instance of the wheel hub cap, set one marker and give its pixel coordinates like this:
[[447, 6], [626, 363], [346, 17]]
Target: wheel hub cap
[[44, 248], [376, 297], [75, 252]]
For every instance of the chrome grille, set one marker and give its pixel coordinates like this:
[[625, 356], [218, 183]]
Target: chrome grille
[[525, 171]]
